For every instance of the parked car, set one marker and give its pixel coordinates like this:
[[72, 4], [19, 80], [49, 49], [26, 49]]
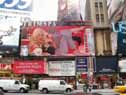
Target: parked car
[[46, 86], [13, 85]]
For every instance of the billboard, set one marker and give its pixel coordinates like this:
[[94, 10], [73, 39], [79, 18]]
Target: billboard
[[9, 34], [16, 7], [29, 67], [62, 68], [57, 41]]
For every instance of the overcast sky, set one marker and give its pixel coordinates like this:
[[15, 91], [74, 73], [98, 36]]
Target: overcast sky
[[45, 10]]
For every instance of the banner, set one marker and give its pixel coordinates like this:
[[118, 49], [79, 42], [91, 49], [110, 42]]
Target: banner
[[61, 68], [29, 67], [57, 41]]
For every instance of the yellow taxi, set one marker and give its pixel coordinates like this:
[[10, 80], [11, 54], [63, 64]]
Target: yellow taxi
[[122, 94], [120, 88]]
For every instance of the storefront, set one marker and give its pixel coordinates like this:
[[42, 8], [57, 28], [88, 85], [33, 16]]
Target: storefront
[[106, 71]]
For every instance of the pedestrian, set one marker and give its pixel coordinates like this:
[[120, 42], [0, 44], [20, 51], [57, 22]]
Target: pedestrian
[[90, 88], [85, 87]]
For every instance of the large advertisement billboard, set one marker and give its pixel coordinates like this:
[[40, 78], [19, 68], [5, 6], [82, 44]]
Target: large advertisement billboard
[[57, 41], [9, 34]]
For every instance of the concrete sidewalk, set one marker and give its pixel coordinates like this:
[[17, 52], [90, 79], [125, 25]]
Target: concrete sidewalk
[[99, 91]]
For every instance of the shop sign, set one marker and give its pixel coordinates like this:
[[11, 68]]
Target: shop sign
[[28, 67], [61, 68], [81, 64], [106, 64], [5, 66]]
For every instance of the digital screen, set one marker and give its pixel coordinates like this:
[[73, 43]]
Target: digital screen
[[9, 34], [57, 41]]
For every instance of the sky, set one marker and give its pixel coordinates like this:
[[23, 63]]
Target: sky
[[45, 10]]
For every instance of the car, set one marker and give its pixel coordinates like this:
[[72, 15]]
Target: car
[[120, 88], [13, 85], [46, 86]]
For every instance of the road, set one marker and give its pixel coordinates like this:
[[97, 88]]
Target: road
[[76, 92]]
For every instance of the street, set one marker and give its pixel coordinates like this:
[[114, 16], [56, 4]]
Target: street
[[75, 92]]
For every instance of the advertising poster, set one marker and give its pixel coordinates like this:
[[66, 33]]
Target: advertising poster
[[29, 67], [57, 41], [61, 68], [9, 34]]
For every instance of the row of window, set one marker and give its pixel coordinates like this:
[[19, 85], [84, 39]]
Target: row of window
[[99, 12]]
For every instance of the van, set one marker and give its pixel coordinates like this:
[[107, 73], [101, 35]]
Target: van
[[13, 85], [46, 86]]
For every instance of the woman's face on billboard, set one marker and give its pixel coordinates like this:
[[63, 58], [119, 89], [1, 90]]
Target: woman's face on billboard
[[39, 35]]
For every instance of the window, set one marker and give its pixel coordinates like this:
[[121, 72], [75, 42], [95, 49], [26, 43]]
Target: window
[[100, 4], [16, 82], [62, 83], [102, 17], [97, 18], [96, 4]]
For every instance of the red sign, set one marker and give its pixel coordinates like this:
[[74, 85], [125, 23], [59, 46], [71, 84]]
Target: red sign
[[29, 67], [5, 66]]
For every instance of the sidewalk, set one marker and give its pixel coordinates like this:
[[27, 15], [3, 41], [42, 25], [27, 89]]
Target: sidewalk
[[99, 91]]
